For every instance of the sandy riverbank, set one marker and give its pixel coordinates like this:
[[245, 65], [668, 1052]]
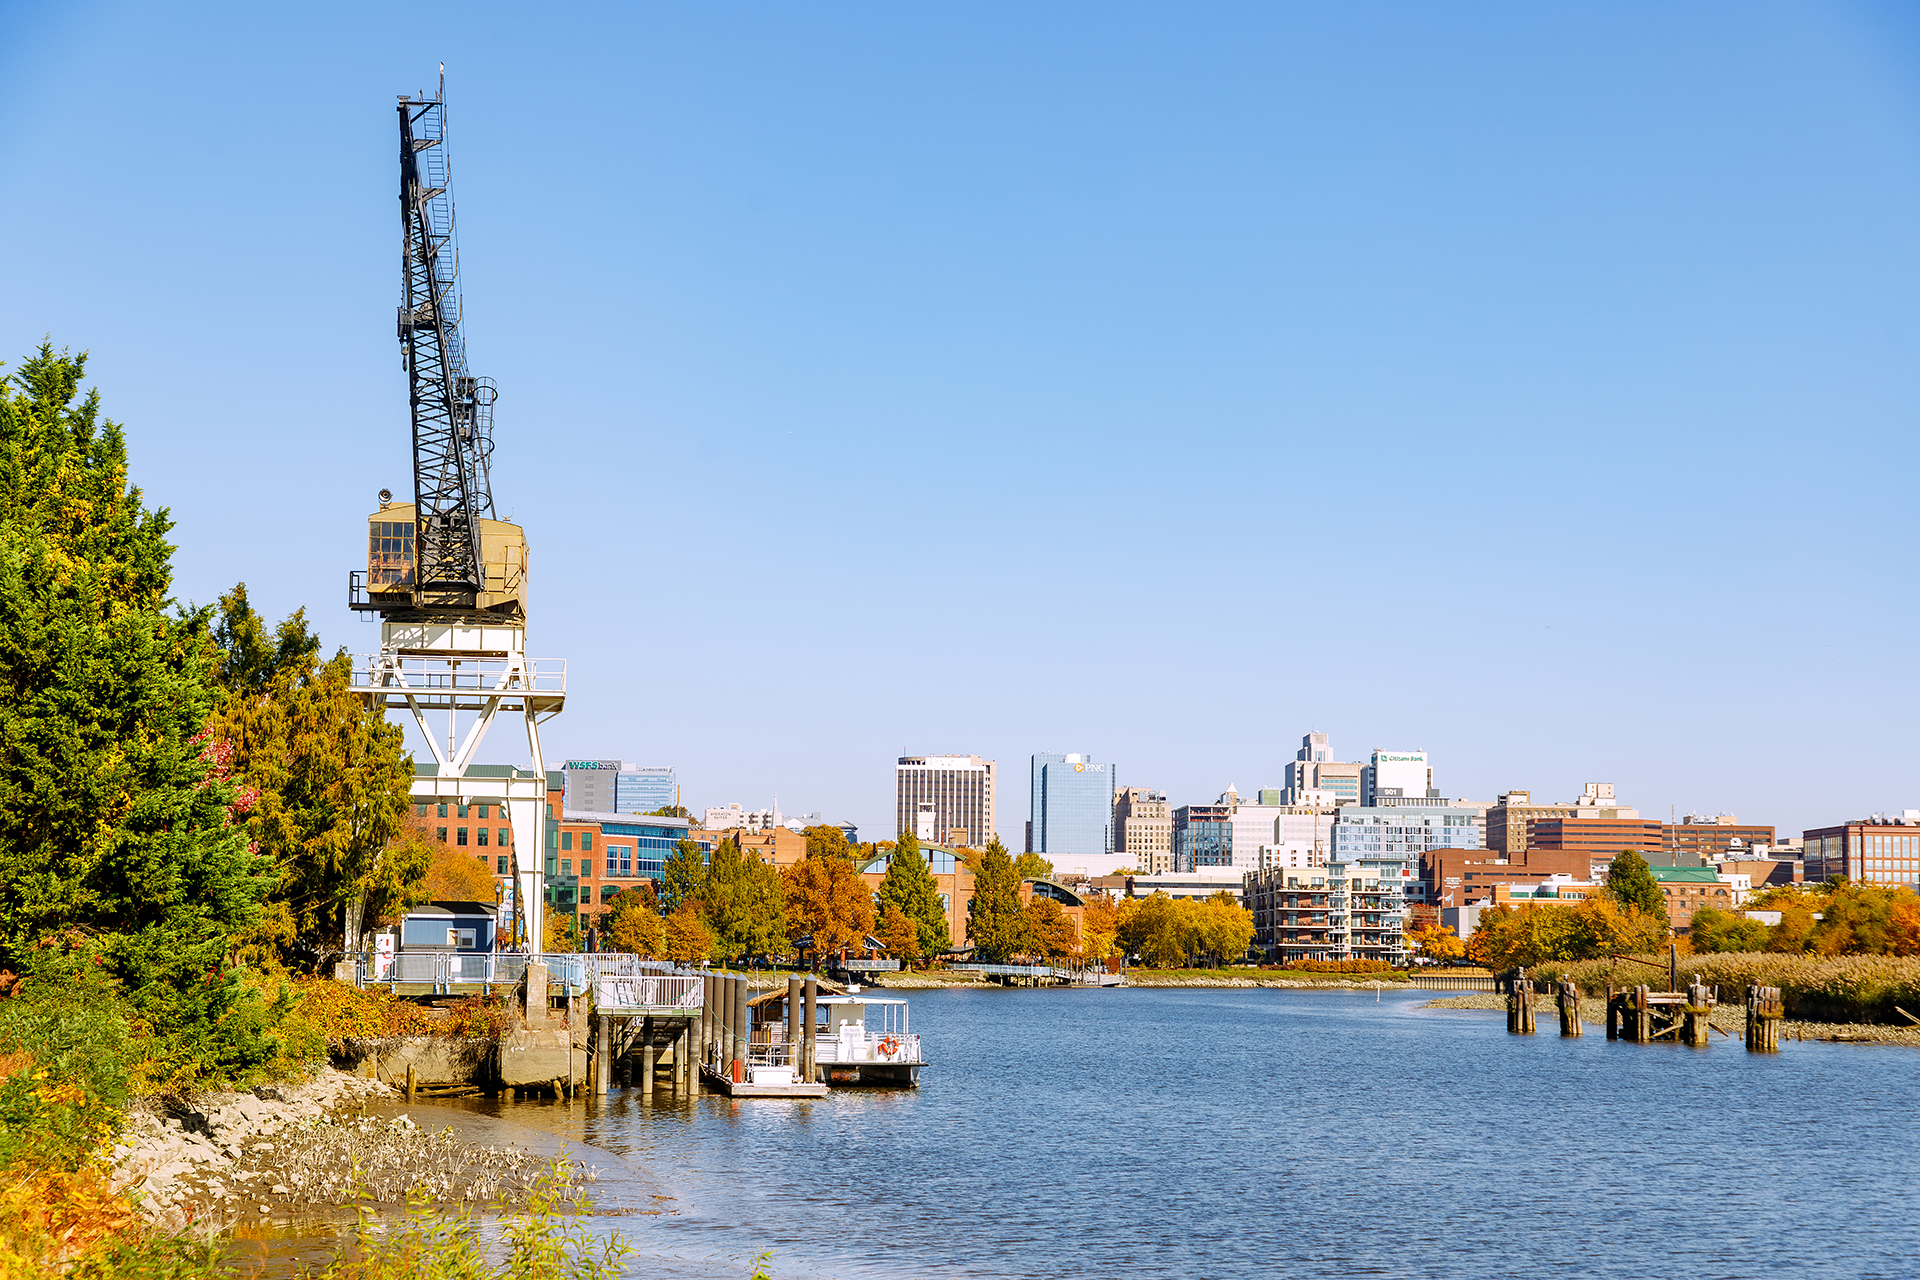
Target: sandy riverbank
[[1726, 1017], [223, 1159]]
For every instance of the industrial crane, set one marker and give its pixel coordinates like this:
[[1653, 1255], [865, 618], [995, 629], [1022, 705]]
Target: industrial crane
[[452, 409], [448, 580]]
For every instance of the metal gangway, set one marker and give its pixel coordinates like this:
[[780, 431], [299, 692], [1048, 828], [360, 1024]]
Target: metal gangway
[[1087, 976]]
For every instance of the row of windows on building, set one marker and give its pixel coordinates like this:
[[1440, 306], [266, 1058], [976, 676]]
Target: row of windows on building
[[479, 833], [481, 811]]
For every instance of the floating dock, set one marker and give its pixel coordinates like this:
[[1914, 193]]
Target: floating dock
[[762, 1082]]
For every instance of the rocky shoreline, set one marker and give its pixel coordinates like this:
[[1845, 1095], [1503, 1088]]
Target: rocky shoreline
[[1728, 1018], [216, 1161]]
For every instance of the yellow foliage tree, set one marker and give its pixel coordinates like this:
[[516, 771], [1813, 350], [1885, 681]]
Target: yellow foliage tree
[[1099, 928], [1050, 929], [686, 936], [454, 875], [1437, 942], [635, 927]]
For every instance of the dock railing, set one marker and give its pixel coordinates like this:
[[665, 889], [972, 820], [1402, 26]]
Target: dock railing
[[579, 972], [831, 1049]]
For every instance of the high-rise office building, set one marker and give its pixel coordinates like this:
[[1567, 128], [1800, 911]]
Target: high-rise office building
[[615, 786], [1203, 835], [1397, 773], [1311, 770], [1070, 806], [1143, 830], [644, 790], [944, 795]]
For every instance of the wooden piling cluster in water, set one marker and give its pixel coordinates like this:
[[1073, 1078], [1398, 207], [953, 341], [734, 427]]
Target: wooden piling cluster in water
[[1643, 1015], [1569, 995], [1519, 1003], [1765, 1010]]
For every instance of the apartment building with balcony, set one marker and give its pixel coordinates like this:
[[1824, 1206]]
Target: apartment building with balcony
[[1342, 911]]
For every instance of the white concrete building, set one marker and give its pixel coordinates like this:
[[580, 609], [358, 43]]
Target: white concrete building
[[1403, 773]]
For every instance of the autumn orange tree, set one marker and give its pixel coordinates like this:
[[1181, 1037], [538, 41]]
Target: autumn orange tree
[[825, 896], [1049, 930], [1437, 942], [899, 933], [453, 875]]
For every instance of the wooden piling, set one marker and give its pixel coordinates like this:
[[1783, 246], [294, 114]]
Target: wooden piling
[[742, 1029], [409, 1082], [794, 1001], [683, 1061], [811, 991], [1613, 1013], [708, 998], [1519, 1003], [1765, 1010], [1569, 1009], [646, 1058], [1698, 1029], [1640, 1015], [603, 1055]]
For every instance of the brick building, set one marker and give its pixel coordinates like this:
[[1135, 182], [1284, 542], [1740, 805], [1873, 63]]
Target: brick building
[[1880, 850], [1594, 835], [1688, 889], [1507, 819], [1460, 877], [1709, 840]]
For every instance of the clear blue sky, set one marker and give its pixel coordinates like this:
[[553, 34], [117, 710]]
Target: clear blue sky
[[1532, 384]]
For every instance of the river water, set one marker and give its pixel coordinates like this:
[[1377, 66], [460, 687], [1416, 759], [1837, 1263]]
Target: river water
[[1261, 1133]]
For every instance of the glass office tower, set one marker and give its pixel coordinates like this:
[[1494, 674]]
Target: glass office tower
[[644, 790], [1071, 807]]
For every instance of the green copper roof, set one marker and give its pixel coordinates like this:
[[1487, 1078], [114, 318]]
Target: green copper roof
[[1685, 875]]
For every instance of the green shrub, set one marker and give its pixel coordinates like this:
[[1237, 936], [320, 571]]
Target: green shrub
[[68, 1053]]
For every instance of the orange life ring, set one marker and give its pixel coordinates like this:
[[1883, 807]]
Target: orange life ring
[[889, 1045]]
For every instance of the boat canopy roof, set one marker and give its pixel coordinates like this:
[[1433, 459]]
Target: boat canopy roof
[[780, 993]]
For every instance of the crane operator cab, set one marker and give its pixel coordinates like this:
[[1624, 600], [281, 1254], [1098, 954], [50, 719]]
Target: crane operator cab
[[390, 586]]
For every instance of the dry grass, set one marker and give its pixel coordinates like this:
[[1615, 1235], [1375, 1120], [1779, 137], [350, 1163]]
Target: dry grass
[[1826, 989]]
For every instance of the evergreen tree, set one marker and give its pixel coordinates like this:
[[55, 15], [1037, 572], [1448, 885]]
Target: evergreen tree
[[908, 887], [744, 905], [1632, 886], [995, 924], [329, 778], [684, 878], [116, 812]]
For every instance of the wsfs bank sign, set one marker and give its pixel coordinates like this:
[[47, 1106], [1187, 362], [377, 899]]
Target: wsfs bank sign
[[583, 765]]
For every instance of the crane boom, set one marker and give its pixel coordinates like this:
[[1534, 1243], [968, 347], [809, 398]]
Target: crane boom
[[452, 409]]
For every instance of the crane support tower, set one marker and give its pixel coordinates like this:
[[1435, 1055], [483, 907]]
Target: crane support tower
[[448, 580]]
